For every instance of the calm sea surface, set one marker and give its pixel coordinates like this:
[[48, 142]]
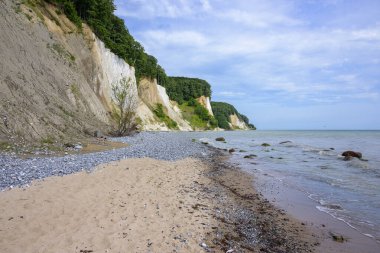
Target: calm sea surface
[[310, 162]]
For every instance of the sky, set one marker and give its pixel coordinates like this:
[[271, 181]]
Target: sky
[[286, 64]]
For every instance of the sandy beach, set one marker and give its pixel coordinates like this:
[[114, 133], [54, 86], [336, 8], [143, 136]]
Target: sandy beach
[[147, 205], [135, 205]]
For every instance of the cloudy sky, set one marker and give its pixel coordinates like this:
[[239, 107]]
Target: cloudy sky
[[291, 64]]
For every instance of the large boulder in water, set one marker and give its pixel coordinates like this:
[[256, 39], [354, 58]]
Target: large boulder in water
[[349, 154]]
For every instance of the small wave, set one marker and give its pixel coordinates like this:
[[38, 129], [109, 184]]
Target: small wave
[[332, 214], [356, 163], [311, 149], [326, 152]]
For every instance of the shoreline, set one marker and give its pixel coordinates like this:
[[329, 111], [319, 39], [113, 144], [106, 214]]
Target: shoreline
[[249, 221], [323, 224], [188, 205]]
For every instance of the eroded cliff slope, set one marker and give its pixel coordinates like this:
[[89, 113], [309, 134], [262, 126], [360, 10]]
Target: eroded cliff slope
[[57, 82]]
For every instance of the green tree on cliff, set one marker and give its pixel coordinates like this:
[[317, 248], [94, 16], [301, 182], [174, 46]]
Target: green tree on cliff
[[125, 105]]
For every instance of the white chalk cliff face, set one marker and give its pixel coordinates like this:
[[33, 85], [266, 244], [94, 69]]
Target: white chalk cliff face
[[237, 123], [111, 70], [205, 101], [152, 94]]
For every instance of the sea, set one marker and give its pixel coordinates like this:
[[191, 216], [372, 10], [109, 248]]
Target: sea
[[310, 162]]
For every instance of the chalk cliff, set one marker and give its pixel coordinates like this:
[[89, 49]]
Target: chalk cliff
[[56, 81], [236, 123]]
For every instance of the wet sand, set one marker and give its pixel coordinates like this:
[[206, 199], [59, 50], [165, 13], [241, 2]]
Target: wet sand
[[322, 224], [147, 205]]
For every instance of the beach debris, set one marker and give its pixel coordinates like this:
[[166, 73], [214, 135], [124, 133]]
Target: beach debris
[[231, 150], [203, 245], [230, 251], [265, 144], [220, 139], [348, 155]]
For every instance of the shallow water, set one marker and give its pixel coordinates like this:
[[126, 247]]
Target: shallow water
[[311, 163]]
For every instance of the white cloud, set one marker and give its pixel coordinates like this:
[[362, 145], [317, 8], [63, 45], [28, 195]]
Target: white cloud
[[206, 5], [259, 19], [175, 38], [231, 94], [147, 9]]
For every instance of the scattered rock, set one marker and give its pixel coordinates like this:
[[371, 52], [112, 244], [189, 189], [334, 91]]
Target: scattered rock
[[78, 146], [284, 142], [250, 156], [349, 154], [203, 245], [337, 238], [220, 139], [69, 145], [98, 134], [242, 151], [231, 150], [265, 144]]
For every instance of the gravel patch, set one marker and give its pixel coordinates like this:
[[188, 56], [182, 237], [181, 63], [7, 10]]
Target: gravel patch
[[15, 171]]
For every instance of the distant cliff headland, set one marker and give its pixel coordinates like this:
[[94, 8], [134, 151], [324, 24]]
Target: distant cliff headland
[[62, 68]]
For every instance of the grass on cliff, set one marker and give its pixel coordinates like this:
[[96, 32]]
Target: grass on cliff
[[197, 115], [188, 113], [159, 112]]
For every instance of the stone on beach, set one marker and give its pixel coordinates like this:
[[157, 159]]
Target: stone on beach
[[349, 154]]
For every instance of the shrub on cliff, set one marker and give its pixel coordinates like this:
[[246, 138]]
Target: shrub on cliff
[[159, 112], [125, 104]]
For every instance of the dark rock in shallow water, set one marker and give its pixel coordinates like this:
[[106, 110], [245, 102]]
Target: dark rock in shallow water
[[349, 154], [337, 238], [231, 150], [284, 142], [250, 156], [333, 206], [265, 144], [220, 139]]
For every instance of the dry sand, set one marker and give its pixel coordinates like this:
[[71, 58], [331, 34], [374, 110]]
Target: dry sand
[[135, 205]]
